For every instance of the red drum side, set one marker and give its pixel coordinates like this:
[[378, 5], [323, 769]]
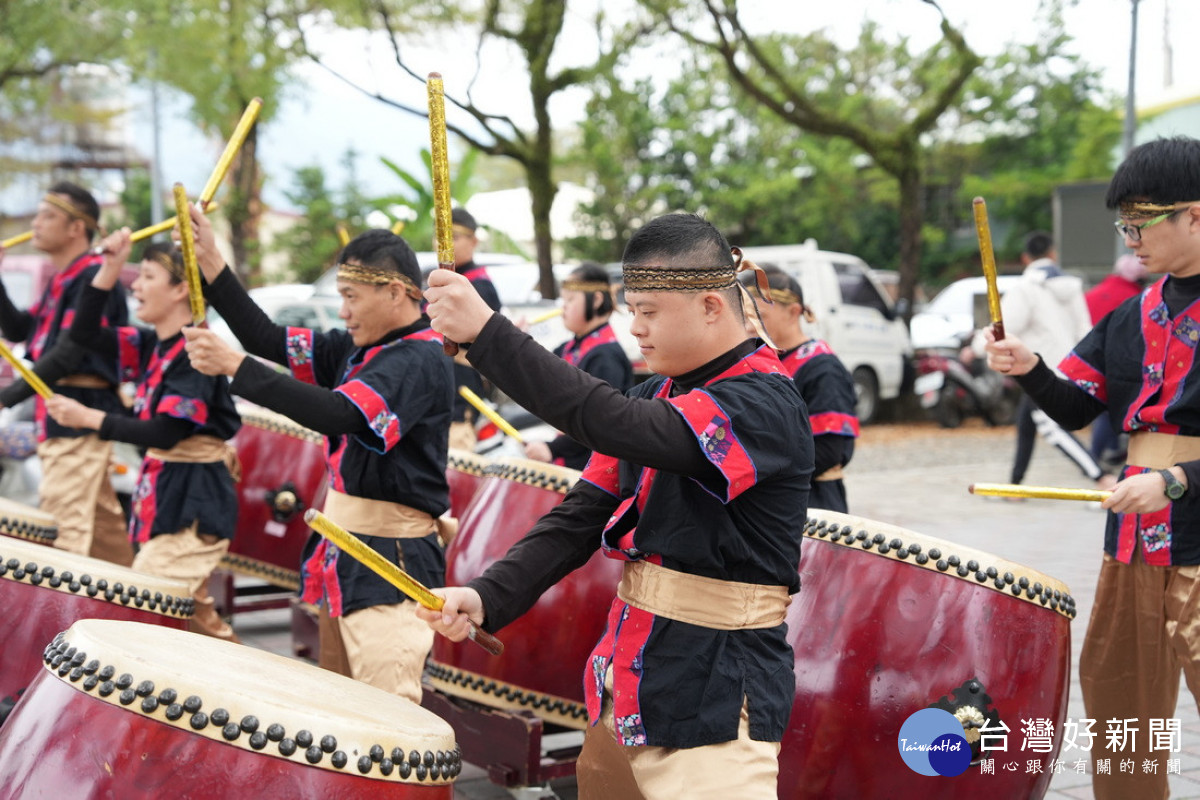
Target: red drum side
[[545, 650], [44, 590], [26, 522], [464, 474], [173, 716], [880, 635], [283, 473]]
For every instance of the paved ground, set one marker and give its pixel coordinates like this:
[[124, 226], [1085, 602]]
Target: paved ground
[[916, 476]]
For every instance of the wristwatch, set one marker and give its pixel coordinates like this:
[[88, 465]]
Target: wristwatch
[[1174, 488]]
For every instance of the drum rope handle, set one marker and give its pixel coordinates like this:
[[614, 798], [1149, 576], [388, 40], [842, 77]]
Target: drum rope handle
[[351, 545]]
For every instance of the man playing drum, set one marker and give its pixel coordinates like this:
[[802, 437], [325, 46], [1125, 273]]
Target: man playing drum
[[699, 484], [823, 381], [380, 391], [1140, 364], [75, 486]]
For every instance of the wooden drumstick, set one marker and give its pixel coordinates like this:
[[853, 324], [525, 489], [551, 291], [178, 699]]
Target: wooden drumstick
[[439, 166], [351, 545], [1042, 492], [984, 233], [483, 408]]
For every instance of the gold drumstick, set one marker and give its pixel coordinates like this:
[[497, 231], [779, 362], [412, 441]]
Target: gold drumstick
[[439, 166], [343, 234], [540, 318], [1042, 492], [353, 546], [483, 408], [234, 144], [20, 238], [191, 269], [31, 377], [983, 232]]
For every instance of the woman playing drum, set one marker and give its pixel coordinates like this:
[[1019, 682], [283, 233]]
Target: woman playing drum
[[185, 506]]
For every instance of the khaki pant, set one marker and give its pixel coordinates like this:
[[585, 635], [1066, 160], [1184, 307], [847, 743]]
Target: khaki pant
[[189, 557], [462, 436], [384, 646], [743, 768], [1144, 630], [76, 491]]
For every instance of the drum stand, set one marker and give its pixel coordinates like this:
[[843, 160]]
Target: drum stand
[[509, 745]]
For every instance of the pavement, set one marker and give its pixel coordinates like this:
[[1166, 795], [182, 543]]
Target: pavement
[[916, 476]]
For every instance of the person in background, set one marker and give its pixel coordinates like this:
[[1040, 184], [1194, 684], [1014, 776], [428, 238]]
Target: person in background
[[185, 505], [75, 489], [823, 381], [1126, 280], [587, 305], [462, 428]]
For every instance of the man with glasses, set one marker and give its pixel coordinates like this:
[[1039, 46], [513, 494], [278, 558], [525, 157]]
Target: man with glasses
[[1140, 364]]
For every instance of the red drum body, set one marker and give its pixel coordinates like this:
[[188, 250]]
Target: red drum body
[[135, 711], [26, 522], [44, 590], [464, 474], [283, 473], [889, 622], [546, 649]]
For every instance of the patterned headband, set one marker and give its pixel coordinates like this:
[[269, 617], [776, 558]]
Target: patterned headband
[[693, 279], [64, 204], [1140, 209], [169, 264], [375, 276]]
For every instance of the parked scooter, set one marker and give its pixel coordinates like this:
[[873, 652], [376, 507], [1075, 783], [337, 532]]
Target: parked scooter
[[954, 384]]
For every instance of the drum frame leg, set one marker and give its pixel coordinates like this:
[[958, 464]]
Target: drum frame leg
[[508, 744]]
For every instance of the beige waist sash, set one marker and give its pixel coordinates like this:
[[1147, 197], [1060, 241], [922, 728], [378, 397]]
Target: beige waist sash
[[832, 474], [377, 517], [1161, 450], [707, 602], [201, 450], [84, 382]]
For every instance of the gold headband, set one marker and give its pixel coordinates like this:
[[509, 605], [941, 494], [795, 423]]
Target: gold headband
[[693, 279], [462, 229], [784, 296], [586, 286], [375, 276], [168, 263], [1139, 209], [64, 204]]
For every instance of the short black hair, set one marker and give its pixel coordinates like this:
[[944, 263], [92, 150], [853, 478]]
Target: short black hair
[[164, 252], [592, 272], [82, 199], [460, 216], [678, 240], [1038, 244], [1162, 171], [385, 250]]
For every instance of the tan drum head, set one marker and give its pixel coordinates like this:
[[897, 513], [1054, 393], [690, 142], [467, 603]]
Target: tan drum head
[[268, 420], [950, 559], [535, 473], [467, 462], [256, 701], [71, 573], [26, 522]]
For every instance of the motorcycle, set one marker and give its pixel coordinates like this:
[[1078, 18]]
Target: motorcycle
[[953, 384]]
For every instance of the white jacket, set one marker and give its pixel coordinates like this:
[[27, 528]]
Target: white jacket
[[1047, 311]]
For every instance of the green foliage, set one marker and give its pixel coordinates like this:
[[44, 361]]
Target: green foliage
[[414, 205], [312, 244], [135, 200]]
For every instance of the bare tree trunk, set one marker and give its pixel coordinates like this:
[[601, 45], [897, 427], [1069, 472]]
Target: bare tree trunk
[[541, 191], [911, 239], [245, 211]]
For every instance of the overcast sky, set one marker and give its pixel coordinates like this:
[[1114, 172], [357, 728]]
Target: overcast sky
[[322, 117]]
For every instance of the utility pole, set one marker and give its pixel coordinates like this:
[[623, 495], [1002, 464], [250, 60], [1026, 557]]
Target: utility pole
[[156, 189], [1130, 92]]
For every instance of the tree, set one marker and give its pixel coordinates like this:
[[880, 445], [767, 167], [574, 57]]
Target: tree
[[532, 28], [418, 200], [877, 96]]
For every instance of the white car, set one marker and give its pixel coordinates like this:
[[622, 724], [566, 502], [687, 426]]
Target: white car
[[955, 312], [292, 304]]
